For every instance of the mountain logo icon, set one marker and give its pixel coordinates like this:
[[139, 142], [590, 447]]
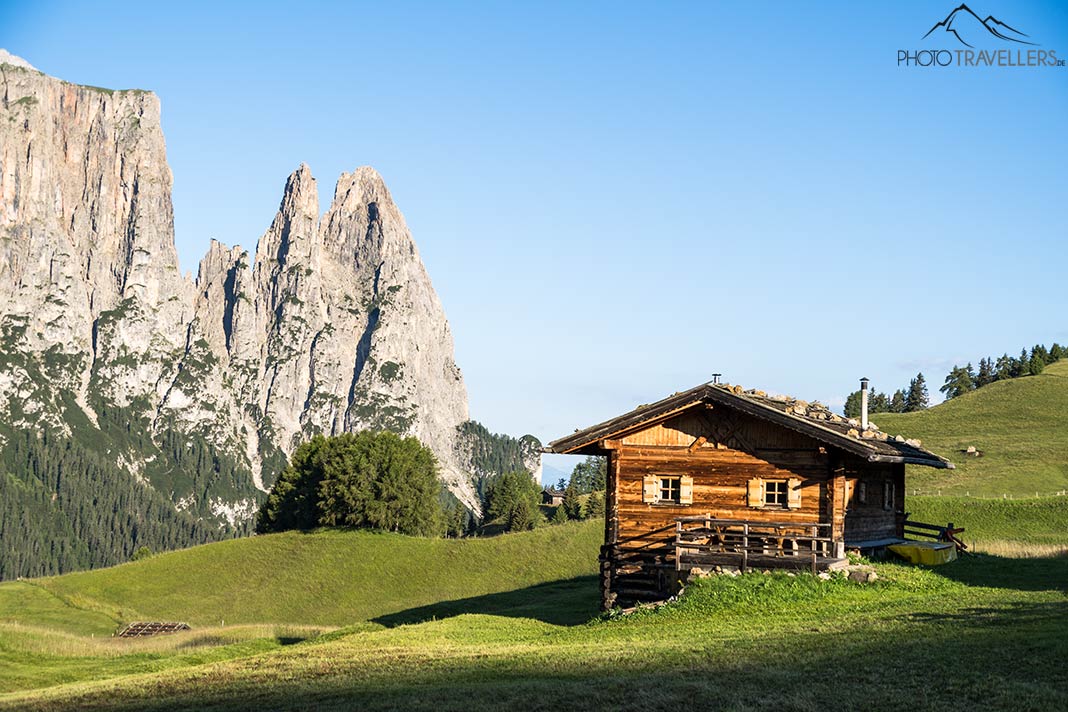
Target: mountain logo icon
[[970, 30]]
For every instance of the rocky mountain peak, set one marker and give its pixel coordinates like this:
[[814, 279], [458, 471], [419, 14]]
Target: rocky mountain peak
[[8, 58], [334, 327]]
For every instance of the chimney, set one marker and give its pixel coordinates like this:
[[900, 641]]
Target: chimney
[[715, 377], [864, 404]]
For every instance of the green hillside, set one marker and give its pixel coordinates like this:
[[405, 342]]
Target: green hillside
[[982, 633], [330, 578], [1020, 426]]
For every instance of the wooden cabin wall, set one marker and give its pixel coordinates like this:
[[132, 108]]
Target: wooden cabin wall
[[872, 519], [722, 451]]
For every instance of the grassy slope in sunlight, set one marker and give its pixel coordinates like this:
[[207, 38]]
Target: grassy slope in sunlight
[[1019, 425]]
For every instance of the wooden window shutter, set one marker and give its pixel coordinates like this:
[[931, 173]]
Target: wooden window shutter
[[756, 492], [685, 490], [793, 494], [650, 488]]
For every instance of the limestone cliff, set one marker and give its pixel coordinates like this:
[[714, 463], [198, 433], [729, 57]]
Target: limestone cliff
[[334, 327]]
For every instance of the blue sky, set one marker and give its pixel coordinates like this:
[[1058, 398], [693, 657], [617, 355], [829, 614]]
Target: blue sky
[[615, 200]]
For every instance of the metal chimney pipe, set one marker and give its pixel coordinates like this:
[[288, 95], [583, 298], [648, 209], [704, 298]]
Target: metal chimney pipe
[[864, 404], [715, 377]]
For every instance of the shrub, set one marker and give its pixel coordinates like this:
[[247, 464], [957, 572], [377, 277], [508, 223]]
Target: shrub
[[365, 480]]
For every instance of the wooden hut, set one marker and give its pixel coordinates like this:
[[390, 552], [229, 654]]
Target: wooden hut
[[718, 476], [552, 497]]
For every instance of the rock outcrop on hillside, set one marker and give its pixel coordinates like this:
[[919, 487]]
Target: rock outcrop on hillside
[[334, 327]]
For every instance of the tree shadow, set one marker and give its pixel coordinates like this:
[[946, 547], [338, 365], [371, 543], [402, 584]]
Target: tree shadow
[[1020, 574], [566, 602], [1011, 616]]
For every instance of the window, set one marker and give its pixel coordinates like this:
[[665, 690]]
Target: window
[[669, 489], [888, 495], [657, 489], [775, 493], [862, 492]]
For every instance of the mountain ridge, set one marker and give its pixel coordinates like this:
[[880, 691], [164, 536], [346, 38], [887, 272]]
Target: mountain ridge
[[335, 327]]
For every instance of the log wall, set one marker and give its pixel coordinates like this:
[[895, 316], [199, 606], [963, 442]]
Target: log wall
[[723, 451]]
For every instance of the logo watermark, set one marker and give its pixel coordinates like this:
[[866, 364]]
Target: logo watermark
[[963, 27]]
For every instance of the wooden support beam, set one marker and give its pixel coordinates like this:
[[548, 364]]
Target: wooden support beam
[[697, 443]]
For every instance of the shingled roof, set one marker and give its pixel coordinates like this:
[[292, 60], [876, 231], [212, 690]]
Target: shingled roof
[[812, 419]]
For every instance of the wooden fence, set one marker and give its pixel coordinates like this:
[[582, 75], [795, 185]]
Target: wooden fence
[[745, 544]]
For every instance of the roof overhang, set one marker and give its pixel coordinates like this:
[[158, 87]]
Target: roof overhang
[[590, 440]]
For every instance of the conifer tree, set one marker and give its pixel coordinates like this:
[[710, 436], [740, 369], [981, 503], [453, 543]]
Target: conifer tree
[[1035, 364], [1021, 366], [878, 403], [589, 475], [595, 505], [512, 499], [917, 397], [559, 516], [897, 402], [1004, 369], [456, 521], [571, 505], [986, 373]]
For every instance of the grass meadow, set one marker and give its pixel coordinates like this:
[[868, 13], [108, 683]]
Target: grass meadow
[[966, 634], [341, 620], [985, 632], [1018, 426]]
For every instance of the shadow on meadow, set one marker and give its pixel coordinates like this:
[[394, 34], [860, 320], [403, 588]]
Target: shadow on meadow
[[965, 658], [567, 602], [1020, 574]]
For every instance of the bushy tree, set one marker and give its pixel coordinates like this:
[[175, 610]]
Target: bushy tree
[[142, 553], [590, 474], [372, 480], [1057, 352], [852, 405], [958, 382], [897, 402], [512, 499], [559, 516], [917, 397]]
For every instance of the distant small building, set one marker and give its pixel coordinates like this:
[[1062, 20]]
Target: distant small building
[[721, 476], [552, 497]]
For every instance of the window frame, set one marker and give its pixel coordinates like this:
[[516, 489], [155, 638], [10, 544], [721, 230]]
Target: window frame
[[674, 484], [889, 495], [781, 494]]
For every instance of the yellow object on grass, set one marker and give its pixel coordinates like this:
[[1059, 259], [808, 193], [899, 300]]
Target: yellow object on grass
[[930, 553]]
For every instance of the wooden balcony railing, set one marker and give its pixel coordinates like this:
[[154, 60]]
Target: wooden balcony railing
[[747, 544]]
